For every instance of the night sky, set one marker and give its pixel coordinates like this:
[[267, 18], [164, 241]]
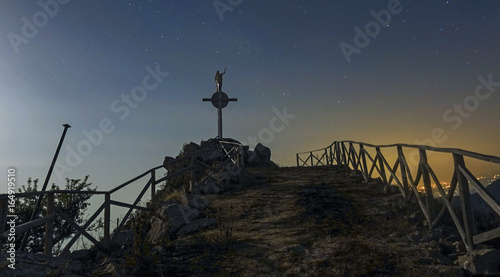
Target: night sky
[[333, 70]]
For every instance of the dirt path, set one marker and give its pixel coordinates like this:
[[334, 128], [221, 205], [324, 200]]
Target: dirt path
[[320, 222], [262, 219]]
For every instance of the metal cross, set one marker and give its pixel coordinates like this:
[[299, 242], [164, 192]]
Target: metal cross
[[219, 100]]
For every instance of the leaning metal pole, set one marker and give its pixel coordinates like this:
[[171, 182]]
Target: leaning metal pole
[[40, 197]]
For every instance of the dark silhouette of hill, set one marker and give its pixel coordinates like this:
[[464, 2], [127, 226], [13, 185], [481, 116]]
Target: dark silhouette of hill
[[296, 222]]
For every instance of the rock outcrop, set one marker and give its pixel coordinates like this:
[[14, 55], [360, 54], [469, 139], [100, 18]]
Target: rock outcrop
[[215, 174], [483, 262], [259, 157]]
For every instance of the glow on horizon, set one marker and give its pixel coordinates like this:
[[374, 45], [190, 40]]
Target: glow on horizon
[[395, 91]]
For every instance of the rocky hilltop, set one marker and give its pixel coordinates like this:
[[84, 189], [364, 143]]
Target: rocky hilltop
[[271, 221]]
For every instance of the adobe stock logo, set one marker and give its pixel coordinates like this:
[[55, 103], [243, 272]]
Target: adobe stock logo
[[39, 19], [458, 113], [277, 124], [372, 29]]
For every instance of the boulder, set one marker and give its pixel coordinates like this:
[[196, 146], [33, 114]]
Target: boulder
[[212, 151], [211, 156], [167, 161], [484, 262], [170, 221], [73, 268], [81, 254], [125, 237], [259, 157], [157, 232], [197, 202], [263, 152], [208, 187], [196, 225], [179, 215], [222, 178], [252, 159]]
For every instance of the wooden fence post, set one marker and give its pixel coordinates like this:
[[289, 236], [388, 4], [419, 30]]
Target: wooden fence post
[[404, 178], [346, 161], [297, 160], [353, 155], [429, 196], [107, 219], [331, 155], [337, 151], [311, 157], [468, 216], [363, 162], [381, 165], [326, 156], [153, 190], [49, 226]]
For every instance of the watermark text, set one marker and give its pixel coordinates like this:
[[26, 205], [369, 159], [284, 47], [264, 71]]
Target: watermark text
[[11, 217]]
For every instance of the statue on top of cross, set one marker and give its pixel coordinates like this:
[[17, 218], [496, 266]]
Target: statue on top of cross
[[218, 79]]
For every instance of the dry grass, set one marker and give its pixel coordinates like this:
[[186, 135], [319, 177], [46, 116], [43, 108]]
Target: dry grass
[[177, 194], [271, 237]]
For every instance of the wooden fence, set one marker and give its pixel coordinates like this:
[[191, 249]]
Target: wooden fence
[[355, 155], [233, 153]]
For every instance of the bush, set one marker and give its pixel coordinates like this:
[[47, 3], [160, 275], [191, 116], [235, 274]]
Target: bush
[[73, 205]]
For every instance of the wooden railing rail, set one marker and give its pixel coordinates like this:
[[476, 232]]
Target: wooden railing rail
[[465, 153], [344, 153], [233, 154]]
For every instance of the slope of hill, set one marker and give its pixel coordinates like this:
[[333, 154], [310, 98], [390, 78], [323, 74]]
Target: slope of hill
[[297, 222], [326, 222]]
